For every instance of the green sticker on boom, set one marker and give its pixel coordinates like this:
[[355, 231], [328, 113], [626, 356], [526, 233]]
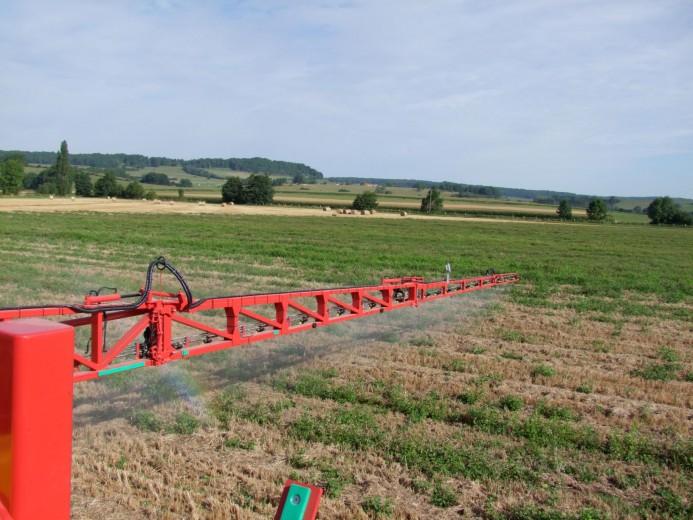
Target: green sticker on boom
[[122, 368]]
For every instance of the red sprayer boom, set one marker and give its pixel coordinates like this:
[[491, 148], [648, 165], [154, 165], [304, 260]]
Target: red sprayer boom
[[40, 360], [248, 318]]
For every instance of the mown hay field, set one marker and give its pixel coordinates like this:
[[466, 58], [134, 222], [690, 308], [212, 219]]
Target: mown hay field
[[568, 396]]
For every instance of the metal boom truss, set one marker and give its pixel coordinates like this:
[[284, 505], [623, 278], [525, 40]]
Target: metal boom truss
[[150, 340]]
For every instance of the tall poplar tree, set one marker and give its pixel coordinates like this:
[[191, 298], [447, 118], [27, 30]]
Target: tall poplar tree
[[63, 175]]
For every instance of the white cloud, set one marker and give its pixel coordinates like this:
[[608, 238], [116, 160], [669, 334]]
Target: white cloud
[[579, 95]]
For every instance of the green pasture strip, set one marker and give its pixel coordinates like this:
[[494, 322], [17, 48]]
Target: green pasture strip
[[598, 263]]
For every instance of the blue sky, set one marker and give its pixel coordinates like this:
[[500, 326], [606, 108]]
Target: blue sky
[[586, 96]]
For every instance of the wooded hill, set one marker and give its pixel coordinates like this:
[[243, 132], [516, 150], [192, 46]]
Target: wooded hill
[[136, 161]]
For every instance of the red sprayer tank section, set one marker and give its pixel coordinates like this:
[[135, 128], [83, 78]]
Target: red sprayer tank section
[[36, 380]]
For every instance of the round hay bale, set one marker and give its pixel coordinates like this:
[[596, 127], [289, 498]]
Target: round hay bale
[[114, 198], [171, 203], [230, 203], [72, 198], [326, 208], [50, 197], [223, 204], [334, 213], [109, 197], [402, 213], [372, 212], [363, 212]]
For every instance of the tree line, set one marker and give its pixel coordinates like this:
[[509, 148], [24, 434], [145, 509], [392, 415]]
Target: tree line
[[462, 190], [200, 172], [662, 210], [136, 161], [63, 179]]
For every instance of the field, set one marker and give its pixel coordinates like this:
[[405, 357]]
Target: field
[[330, 193], [568, 396], [188, 207], [391, 198]]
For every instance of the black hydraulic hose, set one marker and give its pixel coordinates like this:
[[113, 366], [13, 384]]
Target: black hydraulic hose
[[160, 264]]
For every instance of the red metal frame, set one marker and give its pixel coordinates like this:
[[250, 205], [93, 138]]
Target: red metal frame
[[246, 321]]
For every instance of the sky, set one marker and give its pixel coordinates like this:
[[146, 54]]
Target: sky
[[585, 96]]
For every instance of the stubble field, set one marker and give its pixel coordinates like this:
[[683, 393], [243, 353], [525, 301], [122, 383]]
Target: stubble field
[[568, 396]]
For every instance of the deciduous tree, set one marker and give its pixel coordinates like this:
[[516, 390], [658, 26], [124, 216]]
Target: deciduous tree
[[663, 210], [596, 210], [365, 201], [564, 211], [83, 185], [107, 186], [133, 190], [232, 191], [259, 190], [433, 201], [12, 175]]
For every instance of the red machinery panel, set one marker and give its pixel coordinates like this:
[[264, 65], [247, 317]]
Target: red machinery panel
[[36, 382]]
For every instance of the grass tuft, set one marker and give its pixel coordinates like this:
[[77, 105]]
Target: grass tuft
[[543, 370], [235, 442], [513, 336], [657, 371], [184, 424], [551, 411], [333, 481], [668, 354], [146, 421], [511, 402], [455, 365], [443, 496], [584, 388], [377, 507]]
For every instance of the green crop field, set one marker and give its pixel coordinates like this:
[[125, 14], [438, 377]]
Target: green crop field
[[601, 260], [569, 396], [629, 218]]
